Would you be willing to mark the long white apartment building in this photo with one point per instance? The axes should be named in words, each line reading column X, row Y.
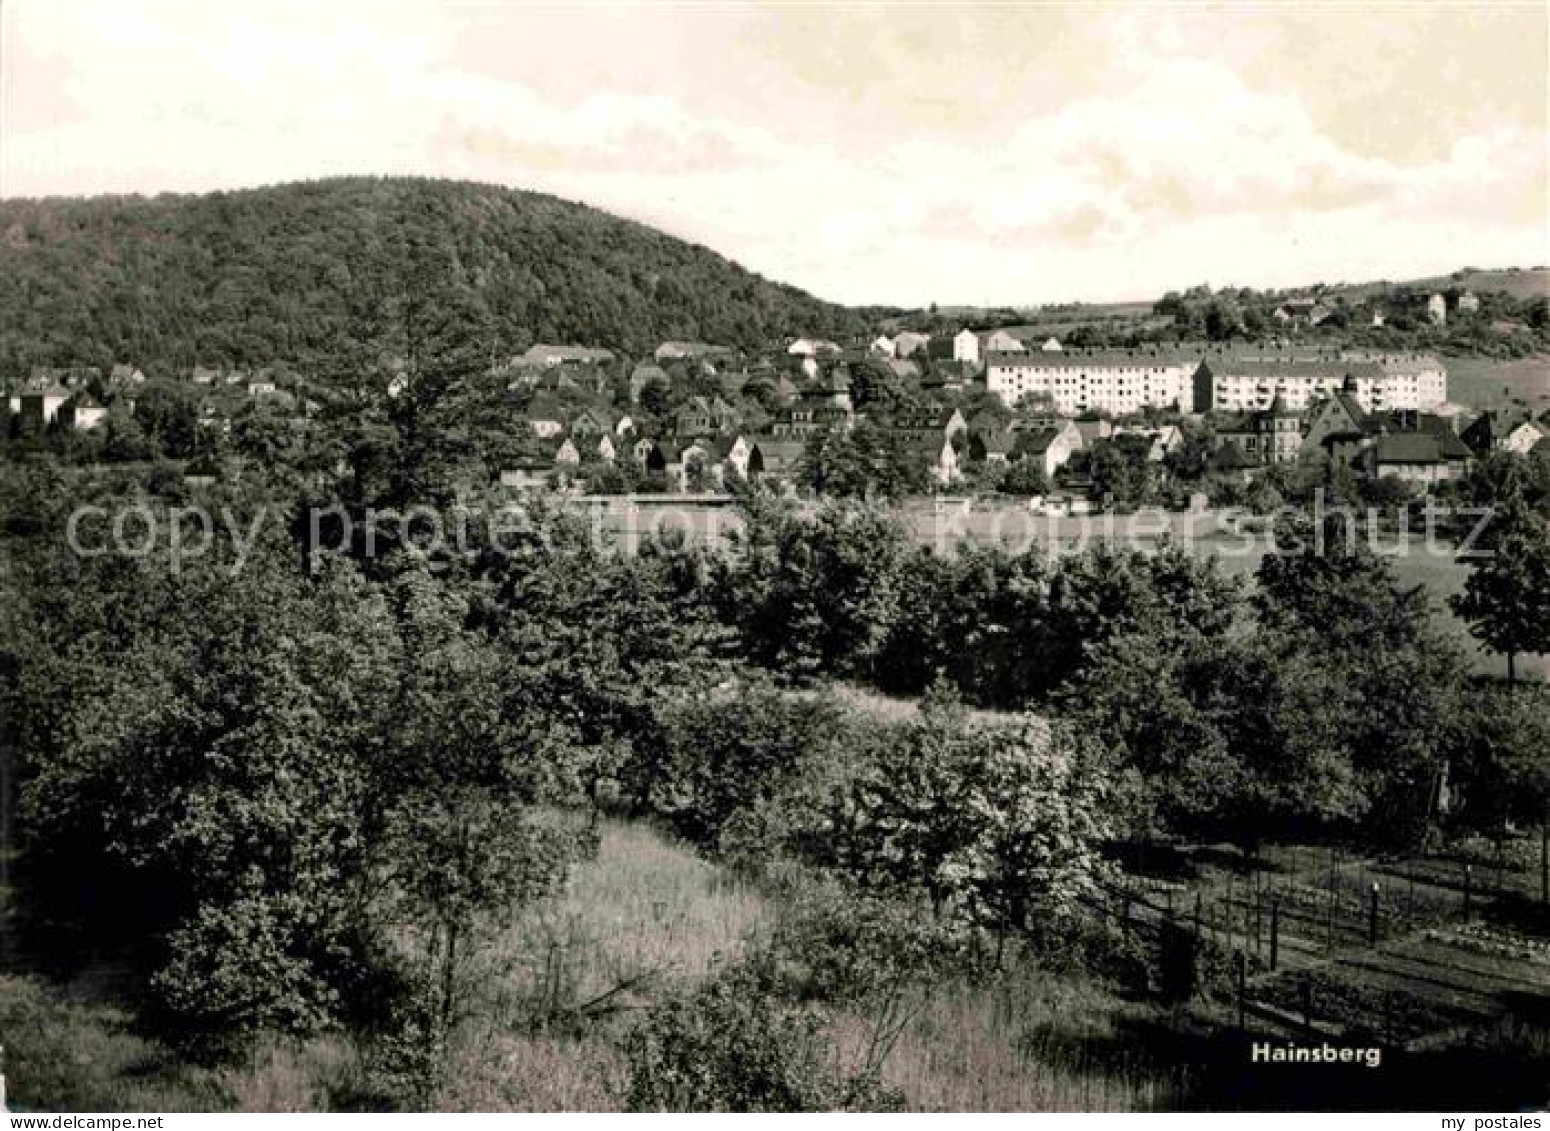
column 1113, row 381
column 1247, row 382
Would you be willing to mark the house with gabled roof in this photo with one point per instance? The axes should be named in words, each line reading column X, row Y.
column 945, row 422
column 545, row 417
column 1416, row 457
column 735, row 452
column 989, row 443
column 1050, row 448
column 775, row 459
column 940, row 457
column 83, row 411
column 545, row 356
column 690, row 351
column 591, row 422
column 1269, row 436
column 123, row 374
column 1336, row 419
column 1504, row 431
column 40, row 406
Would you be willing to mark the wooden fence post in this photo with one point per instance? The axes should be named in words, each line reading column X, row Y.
column 1243, row 983
column 1275, row 930
column 1372, row 916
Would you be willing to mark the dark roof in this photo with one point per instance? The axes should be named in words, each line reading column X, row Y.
column 1230, row 457
column 1095, row 359
column 1037, row 443
column 1411, row 447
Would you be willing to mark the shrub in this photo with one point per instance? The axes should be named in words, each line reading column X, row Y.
column 732, row 1046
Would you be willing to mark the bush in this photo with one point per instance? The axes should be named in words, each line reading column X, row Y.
column 732, row 1046
column 835, row 944
column 714, row 759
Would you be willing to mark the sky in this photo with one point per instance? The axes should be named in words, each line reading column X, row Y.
column 1004, row 154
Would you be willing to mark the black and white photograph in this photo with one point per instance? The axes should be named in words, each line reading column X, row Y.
column 788, row 556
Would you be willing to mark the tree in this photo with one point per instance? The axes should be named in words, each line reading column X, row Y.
column 990, row 823
column 1506, row 599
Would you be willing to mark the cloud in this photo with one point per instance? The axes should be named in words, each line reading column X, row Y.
column 1160, row 165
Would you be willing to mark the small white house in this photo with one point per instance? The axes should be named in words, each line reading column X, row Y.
column 966, row 347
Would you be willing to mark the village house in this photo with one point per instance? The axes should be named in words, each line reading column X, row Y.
column 526, row 474
column 691, row 351
column 65, row 377
column 1499, row 431
column 812, row 348
column 40, row 407
column 990, row 444
column 1468, row 303
column 1416, row 457
column 775, row 460
column 1338, row 419
column 83, row 411
column 735, row 453
column 704, row 416
column 1340, row 429
column 1437, row 310
column 826, row 408
column 544, row 356
column 939, row 456
column 123, row 375
column 907, row 343
column 1160, row 440
column 943, row 422
column 1000, row 341
column 1050, row 448
column 1269, row 436
column 1092, row 429
column 1051, row 345
column 546, row 418
column 966, row 347
column 1301, row 312
column 591, row 422
column 882, row 345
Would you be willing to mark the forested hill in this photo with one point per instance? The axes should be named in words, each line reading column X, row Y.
column 286, row 273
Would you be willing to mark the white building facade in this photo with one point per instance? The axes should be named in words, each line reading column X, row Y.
column 1380, row 382
column 1116, row 382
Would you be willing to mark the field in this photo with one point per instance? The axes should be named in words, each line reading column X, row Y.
column 1484, row 382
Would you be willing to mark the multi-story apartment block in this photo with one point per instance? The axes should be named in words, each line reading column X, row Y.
column 1113, row 381
column 1379, row 382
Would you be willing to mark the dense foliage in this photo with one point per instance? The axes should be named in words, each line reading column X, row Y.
column 289, row 273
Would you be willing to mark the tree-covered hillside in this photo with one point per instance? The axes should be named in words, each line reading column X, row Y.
column 288, row 273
